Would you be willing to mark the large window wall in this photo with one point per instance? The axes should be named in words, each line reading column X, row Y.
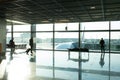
column 88, row 34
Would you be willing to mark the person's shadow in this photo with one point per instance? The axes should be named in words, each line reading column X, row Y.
column 102, row 62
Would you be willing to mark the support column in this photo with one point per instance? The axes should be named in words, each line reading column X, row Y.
column 3, row 35
column 33, row 34
column 11, row 30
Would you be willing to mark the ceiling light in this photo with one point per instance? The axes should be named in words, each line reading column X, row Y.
column 29, row 12
column 92, row 7
column 45, row 21
column 13, row 21
column 64, row 20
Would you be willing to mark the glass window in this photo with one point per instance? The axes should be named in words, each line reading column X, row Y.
column 44, row 40
column 72, row 26
column 44, row 27
column 8, row 38
column 21, row 28
column 95, row 26
column 115, row 41
column 8, row 28
column 65, row 40
column 91, row 40
column 20, row 38
column 66, row 26
column 115, row 25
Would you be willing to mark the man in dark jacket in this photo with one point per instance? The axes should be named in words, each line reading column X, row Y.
column 31, row 45
column 12, row 46
column 102, row 44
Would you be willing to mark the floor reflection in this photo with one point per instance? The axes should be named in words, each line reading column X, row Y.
column 19, row 67
column 80, row 66
column 102, row 62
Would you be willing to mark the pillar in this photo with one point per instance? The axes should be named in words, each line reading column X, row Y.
column 3, row 35
column 33, row 34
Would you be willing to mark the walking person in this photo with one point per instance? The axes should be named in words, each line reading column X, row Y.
column 31, row 46
column 12, row 46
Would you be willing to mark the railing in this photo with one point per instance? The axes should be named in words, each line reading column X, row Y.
column 18, row 46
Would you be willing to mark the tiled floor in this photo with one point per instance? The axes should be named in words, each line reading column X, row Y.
column 57, row 66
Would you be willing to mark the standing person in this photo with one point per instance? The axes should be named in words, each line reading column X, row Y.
column 102, row 45
column 12, row 46
column 31, row 45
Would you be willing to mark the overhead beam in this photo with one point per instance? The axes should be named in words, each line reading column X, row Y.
column 103, row 9
column 5, row 1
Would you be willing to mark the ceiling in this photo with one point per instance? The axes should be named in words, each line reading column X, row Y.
column 49, row 11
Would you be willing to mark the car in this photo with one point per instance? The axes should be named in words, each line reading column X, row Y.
column 66, row 45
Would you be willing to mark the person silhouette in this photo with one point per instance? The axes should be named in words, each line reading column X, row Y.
column 31, row 45
column 12, row 46
column 102, row 45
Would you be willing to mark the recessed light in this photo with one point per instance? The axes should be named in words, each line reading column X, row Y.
column 92, row 7
column 45, row 21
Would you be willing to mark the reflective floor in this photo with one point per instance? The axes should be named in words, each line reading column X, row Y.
column 77, row 66
column 58, row 65
column 19, row 68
